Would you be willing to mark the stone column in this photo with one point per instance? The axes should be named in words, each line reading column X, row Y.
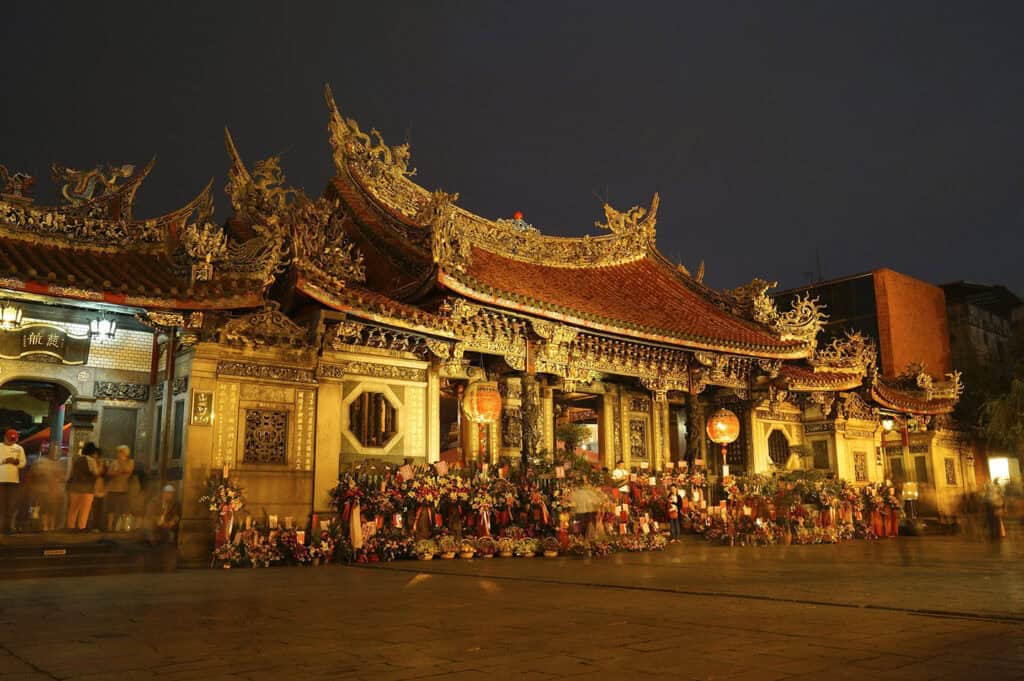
column 547, row 421
column 58, row 406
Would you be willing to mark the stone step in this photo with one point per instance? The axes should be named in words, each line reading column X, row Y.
column 44, row 558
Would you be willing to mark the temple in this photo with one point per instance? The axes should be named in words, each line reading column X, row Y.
column 383, row 321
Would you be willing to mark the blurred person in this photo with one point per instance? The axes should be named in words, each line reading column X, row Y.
column 118, row 473
column 85, row 469
column 47, row 484
column 162, row 517
column 98, row 516
column 12, row 460
column 994, row 511
column 675, row 508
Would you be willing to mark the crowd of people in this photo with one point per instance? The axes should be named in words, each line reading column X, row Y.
column 81, row 493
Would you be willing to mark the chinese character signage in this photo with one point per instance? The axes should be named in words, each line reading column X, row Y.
column 40, row 341
column 202, row 408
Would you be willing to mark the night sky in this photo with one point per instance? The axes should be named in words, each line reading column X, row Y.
column 779, row 134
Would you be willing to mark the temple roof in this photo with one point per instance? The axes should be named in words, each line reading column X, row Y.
column 642, row 298
column 616, row 282
column 91, row 248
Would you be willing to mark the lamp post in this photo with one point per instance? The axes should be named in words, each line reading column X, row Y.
column 723, row 429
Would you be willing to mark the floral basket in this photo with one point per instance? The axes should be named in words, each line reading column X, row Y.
column 466, row 549
column 527, row 547
column 447, row 547
column 486, row 547
column 550, row 546
column 506, row 547
column 425, row 549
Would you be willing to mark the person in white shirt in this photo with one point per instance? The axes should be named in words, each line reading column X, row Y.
column 12, row 460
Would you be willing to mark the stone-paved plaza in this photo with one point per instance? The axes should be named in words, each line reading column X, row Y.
column 914, row 608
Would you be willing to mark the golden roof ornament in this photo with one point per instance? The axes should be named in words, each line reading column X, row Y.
column 15, row 185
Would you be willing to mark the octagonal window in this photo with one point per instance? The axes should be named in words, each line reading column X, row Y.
column 372, row 419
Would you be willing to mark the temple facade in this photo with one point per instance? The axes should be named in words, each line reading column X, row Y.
column 382, row 321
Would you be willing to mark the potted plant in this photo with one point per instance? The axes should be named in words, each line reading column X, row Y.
column 550, row 547
column 425, row 549
column 506, row 547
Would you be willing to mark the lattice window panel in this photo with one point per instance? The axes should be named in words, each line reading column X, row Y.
column 778, row 448
column 266, row 437
column 637, row 439
column 950, row 466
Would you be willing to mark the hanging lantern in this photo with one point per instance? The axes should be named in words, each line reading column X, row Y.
column 723, row 429
column 103, row 328
column 10, row 315
column 481, row 403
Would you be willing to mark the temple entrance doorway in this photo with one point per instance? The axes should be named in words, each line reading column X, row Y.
column 678, row 432
column 450, row 431
column 35, row 408
column 578, row 424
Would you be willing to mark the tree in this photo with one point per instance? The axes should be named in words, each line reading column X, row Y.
column 572, row 434
column 1002, row 418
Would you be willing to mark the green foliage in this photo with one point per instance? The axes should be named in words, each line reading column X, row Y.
column 572, row 434
column 1002, row 418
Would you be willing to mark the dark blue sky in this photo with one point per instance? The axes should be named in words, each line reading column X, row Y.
column 871, row 134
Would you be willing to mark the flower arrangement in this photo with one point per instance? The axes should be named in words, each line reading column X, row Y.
column 422, row 490
column 346, row 492
column 550, row 546
column 527, row 547
column 731, row 488
column 228, row 554
column 486, row 547
column 222, row 494
column 506, row 546
column 425, row 549
column 290, row 548
column 447, row 546
column 561, row 500
column 454, row 492
column 260, row 550
column 322, row 547
column 467, row 549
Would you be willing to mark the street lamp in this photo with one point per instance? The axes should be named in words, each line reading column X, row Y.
column 10, row 315
column 723, row 429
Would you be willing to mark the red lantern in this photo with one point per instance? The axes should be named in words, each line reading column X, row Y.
column 723, row 429
column 482, row 402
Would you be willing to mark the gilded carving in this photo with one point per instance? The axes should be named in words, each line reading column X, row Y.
column 852, row 406
column 267, row 328
column 345, row 369
column 802, row 322
column 265, row 371
column 103, row 223
column 853, row 353
column 111, row 390
column 323, row 246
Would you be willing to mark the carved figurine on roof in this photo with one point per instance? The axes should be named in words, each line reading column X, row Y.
column 802, row 322
column 274, row 226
